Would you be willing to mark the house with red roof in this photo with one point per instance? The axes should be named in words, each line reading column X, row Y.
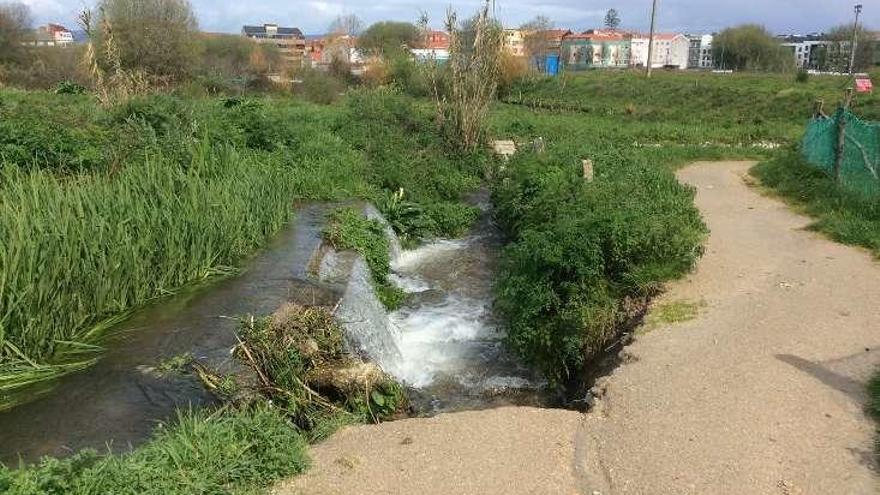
column 596, row 49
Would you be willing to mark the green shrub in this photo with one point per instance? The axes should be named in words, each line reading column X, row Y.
column 318, row 87
column 802, row 76
column 69, row 88
column 578, row 249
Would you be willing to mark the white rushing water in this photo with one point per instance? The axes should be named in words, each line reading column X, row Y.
column 445, row 341
column 447, row 332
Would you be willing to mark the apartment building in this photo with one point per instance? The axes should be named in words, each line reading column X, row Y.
column 51, row 35
column 289, row 40
column 596, row 49
column 700, row 52
column 808, row 51
column 670, row 50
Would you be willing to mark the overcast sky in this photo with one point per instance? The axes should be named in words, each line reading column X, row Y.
column 313, row 16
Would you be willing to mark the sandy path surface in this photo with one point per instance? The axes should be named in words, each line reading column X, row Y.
column 762, row 393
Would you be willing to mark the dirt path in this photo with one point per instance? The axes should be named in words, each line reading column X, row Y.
column 762, row 393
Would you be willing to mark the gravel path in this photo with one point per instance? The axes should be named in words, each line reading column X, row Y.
column 761, row 393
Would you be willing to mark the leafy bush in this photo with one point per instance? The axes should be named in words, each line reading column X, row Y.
column 579, row 249
column 802, row 76
column 318, row 87
column 50, row 131
column 69, row 88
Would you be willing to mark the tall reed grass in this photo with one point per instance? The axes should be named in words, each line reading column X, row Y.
column 79, row 250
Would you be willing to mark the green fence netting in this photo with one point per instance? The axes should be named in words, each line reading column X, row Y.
column 860, row 165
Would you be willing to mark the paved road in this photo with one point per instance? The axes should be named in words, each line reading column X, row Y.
column 762, row 393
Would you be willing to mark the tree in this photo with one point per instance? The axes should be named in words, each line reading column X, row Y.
column 156, row 36
column 389, row 38
column 346, row 25
column 750, row 47
column 838, row 51
column 612, row 19
column 537, row 40
column 15, row 27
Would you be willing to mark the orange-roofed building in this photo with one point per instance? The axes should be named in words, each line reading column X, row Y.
column 437, row 40
column 596, row 49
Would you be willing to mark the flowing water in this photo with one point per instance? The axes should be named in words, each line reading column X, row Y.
column 444, row 344
column 120, row 400
column 448, row 342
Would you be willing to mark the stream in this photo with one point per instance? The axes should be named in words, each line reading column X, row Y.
column 449, row 338
column 444, row 344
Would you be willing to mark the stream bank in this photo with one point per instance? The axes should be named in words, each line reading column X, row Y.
column 444, row 344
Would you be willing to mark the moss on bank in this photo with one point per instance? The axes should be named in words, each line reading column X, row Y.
column 349, row 229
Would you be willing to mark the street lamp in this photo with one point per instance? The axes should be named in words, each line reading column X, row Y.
column 855, row 40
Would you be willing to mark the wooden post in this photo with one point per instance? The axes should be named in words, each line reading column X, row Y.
column 819, row 109
column 650, row 68
column 588, row 170
column 840, row 151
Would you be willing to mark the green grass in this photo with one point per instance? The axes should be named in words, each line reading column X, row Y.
column 845, row 216
column 228, row 452
column 765, row 106
column 670, row 313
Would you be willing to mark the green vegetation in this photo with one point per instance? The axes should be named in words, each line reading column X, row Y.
column 751, row 47
column 723, row 108
column 349, row 229
column 161, row 192
column 846, row 216
column 235, row 451
column 579, row 249
column 582, row 254
column 389, row 38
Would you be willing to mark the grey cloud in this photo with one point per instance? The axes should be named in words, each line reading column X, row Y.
column 313, row 16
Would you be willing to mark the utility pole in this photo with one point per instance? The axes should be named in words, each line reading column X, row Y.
column 855, row 40
column 651, row 39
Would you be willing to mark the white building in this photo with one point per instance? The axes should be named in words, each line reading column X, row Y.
column 700, row 53
column 670, row 50
column 804, row 49
column 52, row 35
column 431, row 54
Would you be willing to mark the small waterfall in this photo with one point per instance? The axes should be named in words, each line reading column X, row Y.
column 368, row 330
column 445, row 341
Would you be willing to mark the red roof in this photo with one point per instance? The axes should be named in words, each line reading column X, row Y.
column 437, row 40
column 556, row 34
column 599, row 36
